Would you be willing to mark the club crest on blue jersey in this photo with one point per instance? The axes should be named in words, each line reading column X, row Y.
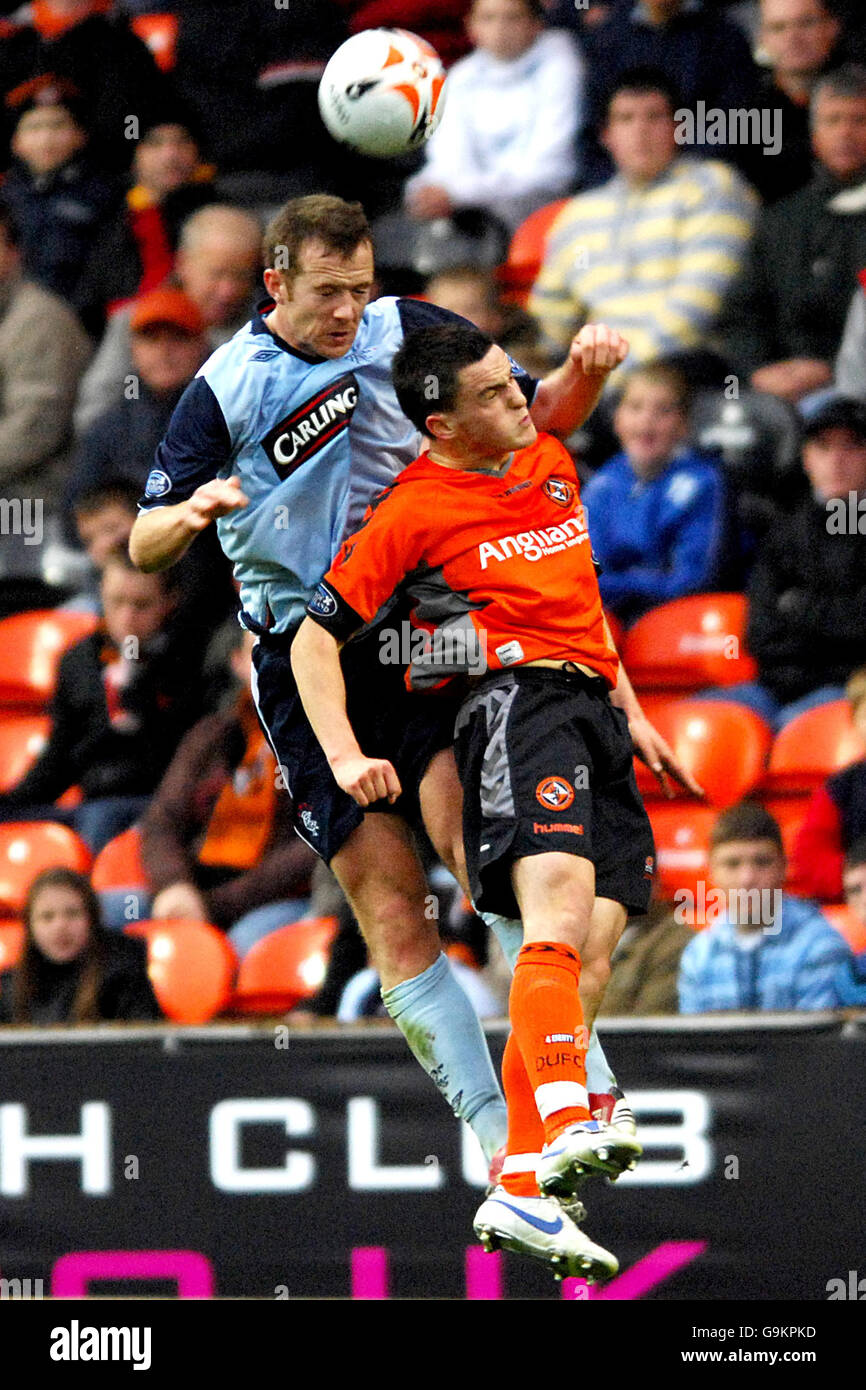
column 312, row 425
column 158, row 483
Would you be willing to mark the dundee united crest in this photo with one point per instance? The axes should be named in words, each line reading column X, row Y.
column 555, row 794
column 559, row 491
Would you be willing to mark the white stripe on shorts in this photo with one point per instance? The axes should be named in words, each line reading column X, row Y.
column 559, row 1095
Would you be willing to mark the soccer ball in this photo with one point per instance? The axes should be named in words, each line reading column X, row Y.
column 382, row 93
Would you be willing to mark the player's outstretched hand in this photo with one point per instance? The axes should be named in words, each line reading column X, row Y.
column 597, row 349
column 213, row 499
column 659, row 757
column 367, row 779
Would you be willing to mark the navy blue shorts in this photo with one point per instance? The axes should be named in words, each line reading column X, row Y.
column 388, row 722
column 546, row 764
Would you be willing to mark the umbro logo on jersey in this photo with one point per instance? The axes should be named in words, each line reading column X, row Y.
column 313, row 425
column 265, row 355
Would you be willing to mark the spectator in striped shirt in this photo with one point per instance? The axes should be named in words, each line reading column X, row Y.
column 655, row 248
column 763, row 949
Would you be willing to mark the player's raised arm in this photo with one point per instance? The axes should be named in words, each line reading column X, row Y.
column 567, row 396
column 160, row 537
column 316, row 665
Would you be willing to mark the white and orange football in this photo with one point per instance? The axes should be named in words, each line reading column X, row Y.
column 382, row 92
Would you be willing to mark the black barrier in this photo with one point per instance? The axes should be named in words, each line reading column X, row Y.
column 277, row 1164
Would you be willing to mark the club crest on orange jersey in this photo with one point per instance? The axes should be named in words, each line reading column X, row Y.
column 560, row 491
column 555, row 793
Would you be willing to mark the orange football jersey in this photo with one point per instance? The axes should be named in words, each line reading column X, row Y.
column 498, row 568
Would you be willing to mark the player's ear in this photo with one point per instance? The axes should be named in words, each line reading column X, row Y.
column 438, row 426
column 275, row 284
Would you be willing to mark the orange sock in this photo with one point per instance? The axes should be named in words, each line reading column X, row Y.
column 525, row 1130
column 547, row 1021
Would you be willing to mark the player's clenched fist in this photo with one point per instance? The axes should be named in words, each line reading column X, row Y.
column 597, row 349
column 366, row 779
column 217, row 498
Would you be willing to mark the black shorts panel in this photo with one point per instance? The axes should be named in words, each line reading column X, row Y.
column 546, row 764
column 388, row 722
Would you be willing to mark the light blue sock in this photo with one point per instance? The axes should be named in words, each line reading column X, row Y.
column 441, row 1027
column 509, row 934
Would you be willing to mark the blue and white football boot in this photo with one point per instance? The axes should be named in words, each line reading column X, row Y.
column 583, row 1151
column 542, row 1228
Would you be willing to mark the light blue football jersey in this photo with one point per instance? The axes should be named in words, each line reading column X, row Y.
column 312, row 441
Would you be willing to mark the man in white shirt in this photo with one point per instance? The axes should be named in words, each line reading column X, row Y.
column 507, row 141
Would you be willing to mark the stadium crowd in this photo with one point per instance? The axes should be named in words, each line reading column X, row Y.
column 689, row 171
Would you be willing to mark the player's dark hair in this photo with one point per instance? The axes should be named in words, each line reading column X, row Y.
column 93, row 499
column 746, row 821
column 644, row 80
column 426, row 368
column 856, row 855
column 339, row 225
column 9, row 225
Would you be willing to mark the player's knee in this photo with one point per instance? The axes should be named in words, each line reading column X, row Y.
column 394, row 922
column 594, row 977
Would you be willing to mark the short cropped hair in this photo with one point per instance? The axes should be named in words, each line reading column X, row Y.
column 746, row 821
column 427, row 366
column 856, row 855
column 849, row 80
column 339, row 225
column 117, row 493
column 170, row 580
column 535, row 8
column 665, row 374
column 644, row 80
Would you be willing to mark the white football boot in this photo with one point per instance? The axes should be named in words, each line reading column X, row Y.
column 542, row 1228
column 583, row 1151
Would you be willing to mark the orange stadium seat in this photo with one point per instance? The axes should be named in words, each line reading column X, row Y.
column 848, row 923
column 11, row 944
column 284, row 967
column 813, row 745
column 722, row 744
column 28, row 847
column 789, row 811
column 32, row 645
column 690, row 643
column 22, row 738
column 191, row 965
column 159, row 31
column 682, row 836
column 118, row 864
column 520, row 269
